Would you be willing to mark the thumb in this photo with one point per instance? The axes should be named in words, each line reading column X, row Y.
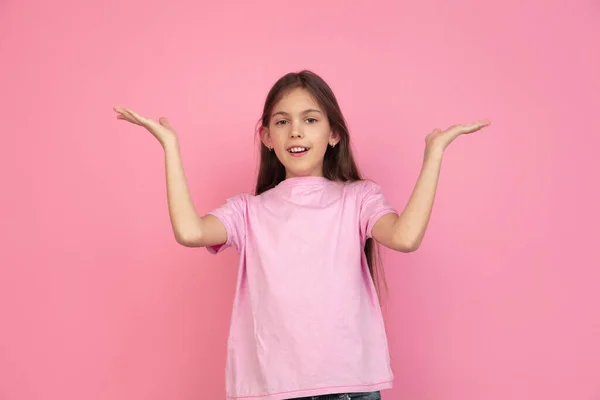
column 164, row 122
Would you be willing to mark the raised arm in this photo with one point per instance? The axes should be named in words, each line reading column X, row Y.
column 189, row 228
column 405, row 232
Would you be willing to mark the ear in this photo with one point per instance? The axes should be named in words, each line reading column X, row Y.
column 265, row 137
column 334, row 138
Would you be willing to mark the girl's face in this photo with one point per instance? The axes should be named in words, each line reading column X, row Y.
column 299, row 133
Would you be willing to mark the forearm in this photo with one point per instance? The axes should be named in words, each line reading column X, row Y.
column 411, row 225
column 185, row 220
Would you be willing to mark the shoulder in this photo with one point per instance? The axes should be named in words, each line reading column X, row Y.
column 235, row 204
column 240, row 198
column 363, row 188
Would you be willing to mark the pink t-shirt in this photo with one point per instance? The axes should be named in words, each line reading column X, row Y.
column 306, row 318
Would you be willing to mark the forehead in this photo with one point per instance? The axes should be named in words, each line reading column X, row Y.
column 296, row 100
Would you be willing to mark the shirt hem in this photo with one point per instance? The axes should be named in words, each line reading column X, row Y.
column 216, row 249
column 317, row 392
column 376, row 217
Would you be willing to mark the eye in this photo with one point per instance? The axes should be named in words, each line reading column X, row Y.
column 280, row 122
column 311, row 120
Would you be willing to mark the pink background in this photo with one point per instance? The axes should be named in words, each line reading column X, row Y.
column 97, row 301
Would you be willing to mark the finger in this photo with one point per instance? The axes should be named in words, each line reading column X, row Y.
column 122, row 113
column 129, row 117
column 481, row 124
column 475, row 126
column 135, row 115
column 139, row 119
column 126, row 117
column 165, row 122
column 118, row 110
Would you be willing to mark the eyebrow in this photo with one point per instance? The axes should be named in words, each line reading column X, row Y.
column 303, row 112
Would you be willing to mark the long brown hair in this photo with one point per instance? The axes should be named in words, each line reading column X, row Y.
column 338, row 164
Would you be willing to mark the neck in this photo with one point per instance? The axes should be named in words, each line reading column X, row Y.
column 315, row 173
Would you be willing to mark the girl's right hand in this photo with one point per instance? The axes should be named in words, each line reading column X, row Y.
column 161, row 130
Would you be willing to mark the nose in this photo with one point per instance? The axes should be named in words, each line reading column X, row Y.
column 296, row 132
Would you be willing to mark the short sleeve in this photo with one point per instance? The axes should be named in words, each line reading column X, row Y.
column 373, row 206
column 233, row 216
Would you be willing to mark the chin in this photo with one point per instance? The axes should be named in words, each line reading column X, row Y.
column 302, row 166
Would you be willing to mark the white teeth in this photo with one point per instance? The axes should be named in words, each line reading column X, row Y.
column 297, row 149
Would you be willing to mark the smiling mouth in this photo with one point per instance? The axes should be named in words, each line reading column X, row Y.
column 298, row 150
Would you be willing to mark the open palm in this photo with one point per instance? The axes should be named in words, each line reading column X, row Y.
column 162, row 130
column 442, row 138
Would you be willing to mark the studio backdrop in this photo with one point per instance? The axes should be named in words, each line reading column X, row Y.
column 98, row 301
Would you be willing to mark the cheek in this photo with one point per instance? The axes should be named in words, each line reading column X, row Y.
column 278, row 133
column 318, row 149
column 321, row 138
column 277, row 140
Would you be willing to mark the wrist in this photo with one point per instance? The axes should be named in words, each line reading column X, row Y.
column 434, row 151
column 170, row 143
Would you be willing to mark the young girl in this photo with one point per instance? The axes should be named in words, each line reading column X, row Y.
column 306, row 320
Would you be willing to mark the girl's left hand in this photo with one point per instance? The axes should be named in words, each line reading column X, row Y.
column 439, row 139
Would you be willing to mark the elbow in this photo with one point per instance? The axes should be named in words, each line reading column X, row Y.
column 406, row 245
column 189, row 239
